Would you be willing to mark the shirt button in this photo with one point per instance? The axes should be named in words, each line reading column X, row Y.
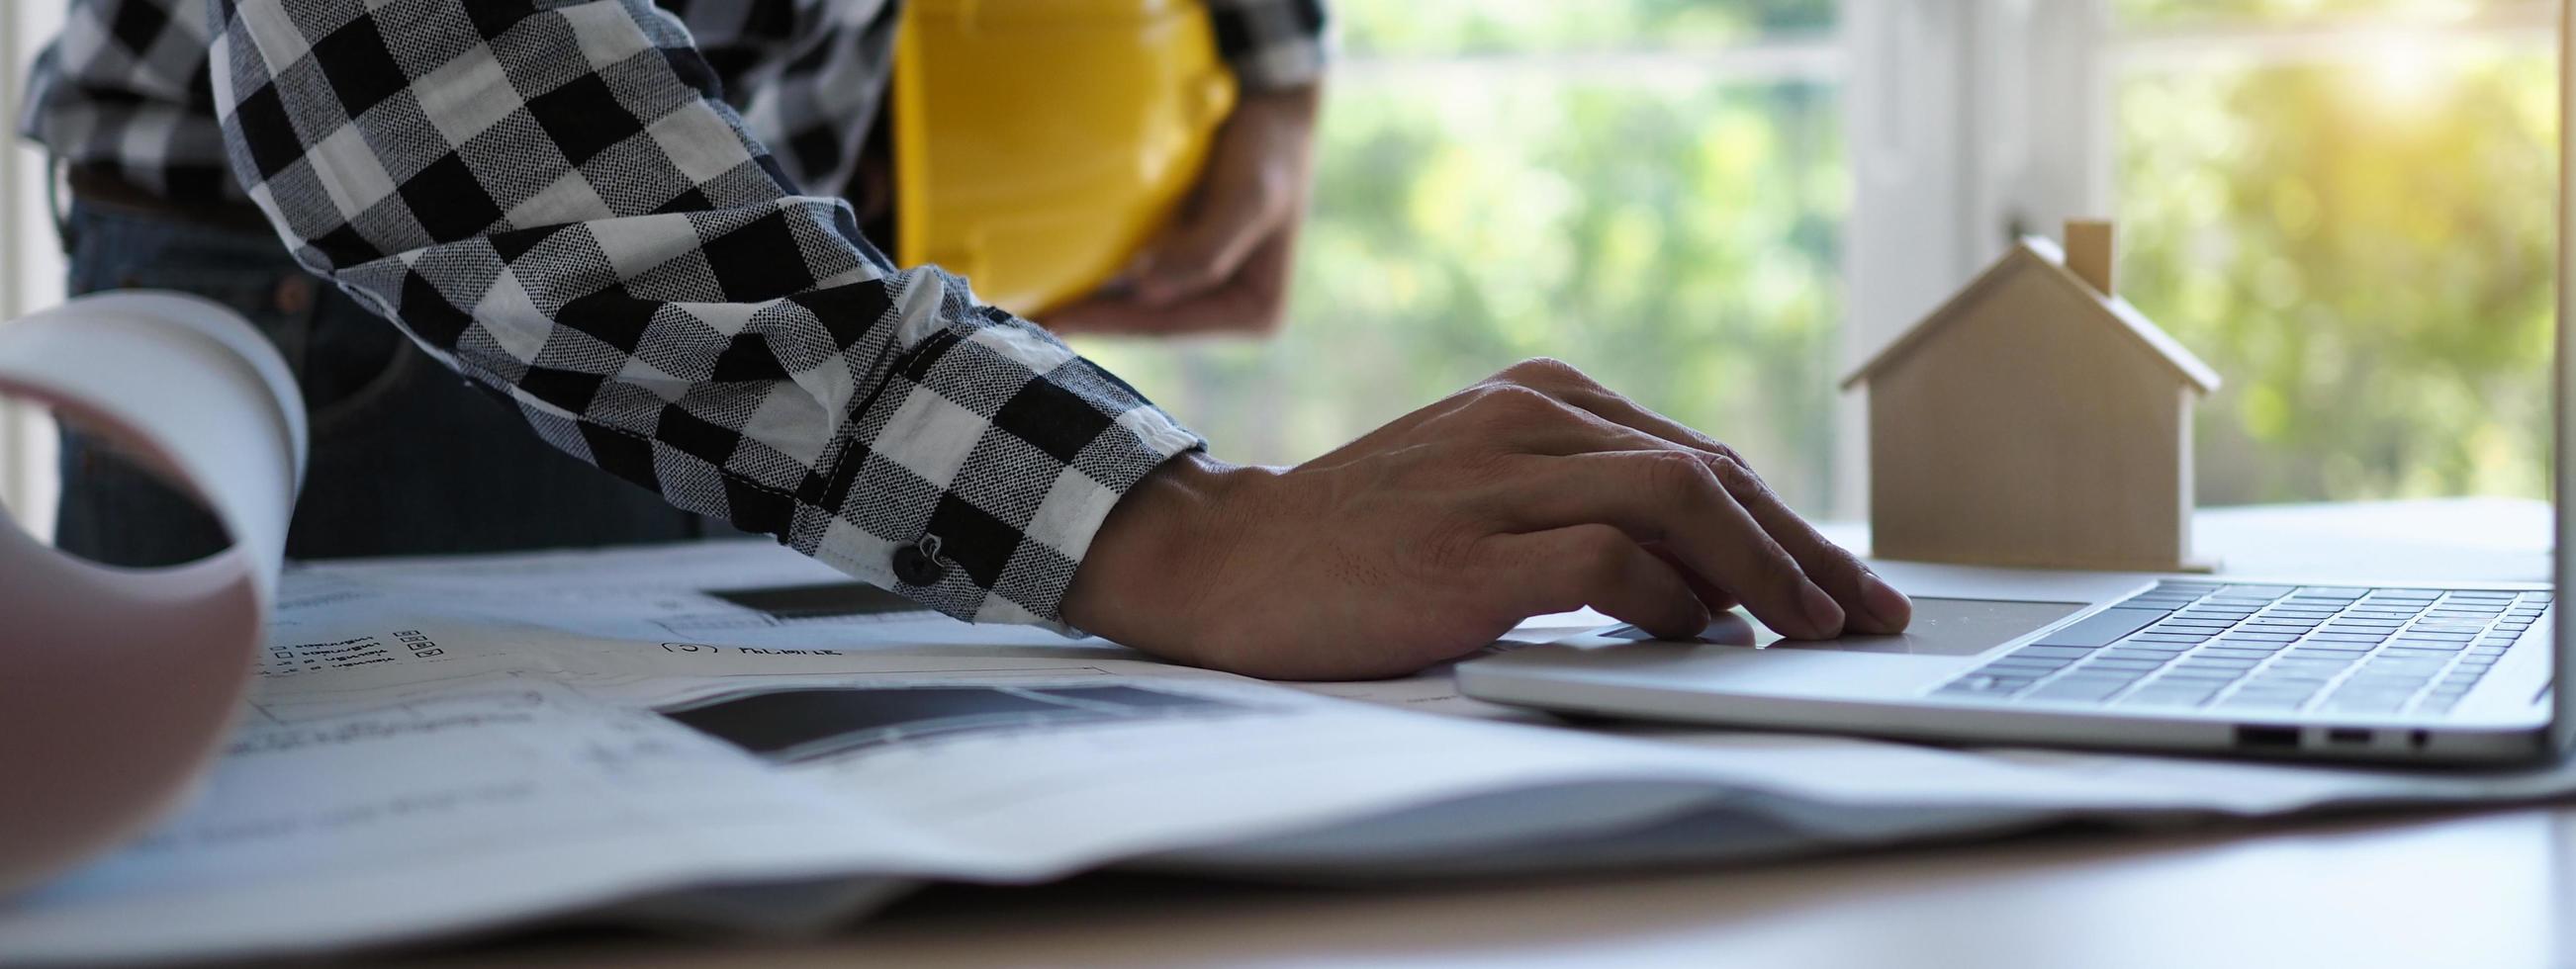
column 917, row 566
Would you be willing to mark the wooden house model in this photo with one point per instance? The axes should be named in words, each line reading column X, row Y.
column 2036, row 419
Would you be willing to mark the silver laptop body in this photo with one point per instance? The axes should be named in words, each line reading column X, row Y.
column 2301, row 667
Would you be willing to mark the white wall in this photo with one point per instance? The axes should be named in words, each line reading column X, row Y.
column 31, row 264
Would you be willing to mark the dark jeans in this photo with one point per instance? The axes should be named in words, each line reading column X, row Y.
column 406, row 457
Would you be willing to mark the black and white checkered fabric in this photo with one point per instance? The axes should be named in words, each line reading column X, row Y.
column 578, row 205
column 551, row 198
column 1271, row 44
column 124, row 86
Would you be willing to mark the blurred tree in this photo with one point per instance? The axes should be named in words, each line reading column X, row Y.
column 2366, row 255
column 2166, row 13
column 1675, row 235
column 2364, row 249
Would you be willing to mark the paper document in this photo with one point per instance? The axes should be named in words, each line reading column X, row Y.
column 433, row 725
column 119, row 681
column 484, row 772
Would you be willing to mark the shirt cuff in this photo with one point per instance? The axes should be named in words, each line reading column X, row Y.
column 1273, row 45
column 982, row 468
column 1280, row 68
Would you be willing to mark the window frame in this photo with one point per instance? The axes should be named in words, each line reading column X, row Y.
column 1973, row 122
column 1969, row 122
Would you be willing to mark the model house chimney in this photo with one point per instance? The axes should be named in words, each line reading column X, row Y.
column 2088, row 253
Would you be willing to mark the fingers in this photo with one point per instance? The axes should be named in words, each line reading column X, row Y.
column 1871, row 605
column 1567, row 383
column 1241, row 203
column 1563, row 569
column 1250, row 192
column 1874, row 606
column 1673, row 499
column 1879, row 607
column 1205, row 249
column 1531, row 421
column 1106, row 316
column 1254, row 302
column 1716, row 599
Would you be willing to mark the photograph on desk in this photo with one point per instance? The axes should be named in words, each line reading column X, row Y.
column 728, row 471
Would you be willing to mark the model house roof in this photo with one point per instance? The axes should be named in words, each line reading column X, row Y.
column 2040, row 256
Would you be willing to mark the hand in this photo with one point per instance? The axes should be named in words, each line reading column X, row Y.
column 1533, row 492
column 1222, row 265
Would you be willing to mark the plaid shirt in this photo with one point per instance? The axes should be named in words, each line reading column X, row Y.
column 126, row 87
column 572, row 203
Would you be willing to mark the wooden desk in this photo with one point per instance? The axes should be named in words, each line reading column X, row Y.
column 2454, row 889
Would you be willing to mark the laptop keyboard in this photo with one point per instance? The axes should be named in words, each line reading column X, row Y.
column 2267, row 648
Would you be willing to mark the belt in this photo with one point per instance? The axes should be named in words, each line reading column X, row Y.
column 100, row 185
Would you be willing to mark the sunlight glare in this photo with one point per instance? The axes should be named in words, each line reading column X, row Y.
column 2406, row 74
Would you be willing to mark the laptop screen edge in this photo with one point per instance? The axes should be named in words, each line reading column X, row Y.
column 2562, row 721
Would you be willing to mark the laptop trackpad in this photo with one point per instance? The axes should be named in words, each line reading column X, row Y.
column 1941, row 627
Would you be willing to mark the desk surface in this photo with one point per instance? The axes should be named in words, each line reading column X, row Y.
column 2456, row 889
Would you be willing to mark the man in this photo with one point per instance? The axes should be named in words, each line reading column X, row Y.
column 124, row 99
column 559, row 201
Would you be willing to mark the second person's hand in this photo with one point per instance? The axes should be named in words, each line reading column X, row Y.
column 1222, row 265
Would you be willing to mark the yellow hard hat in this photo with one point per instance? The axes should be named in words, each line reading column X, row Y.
column 1038, row 144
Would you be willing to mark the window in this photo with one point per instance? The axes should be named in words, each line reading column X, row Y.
column 2347, row 207
column 1718, row 205
column 1653, row 190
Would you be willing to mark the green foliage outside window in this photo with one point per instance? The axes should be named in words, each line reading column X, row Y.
column 2364, row 253
column 2366, row 256
column 1677, row 237
column 2168, row 13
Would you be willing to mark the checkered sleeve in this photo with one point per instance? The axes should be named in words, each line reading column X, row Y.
column 1272, row 44
column 807, row 76
column 550, row 198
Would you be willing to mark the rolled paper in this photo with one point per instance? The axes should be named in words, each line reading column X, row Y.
column 117, row 685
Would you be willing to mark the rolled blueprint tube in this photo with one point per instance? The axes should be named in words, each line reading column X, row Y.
column 117, row 684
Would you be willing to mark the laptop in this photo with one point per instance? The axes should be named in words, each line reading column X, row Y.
column 2293, row 668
